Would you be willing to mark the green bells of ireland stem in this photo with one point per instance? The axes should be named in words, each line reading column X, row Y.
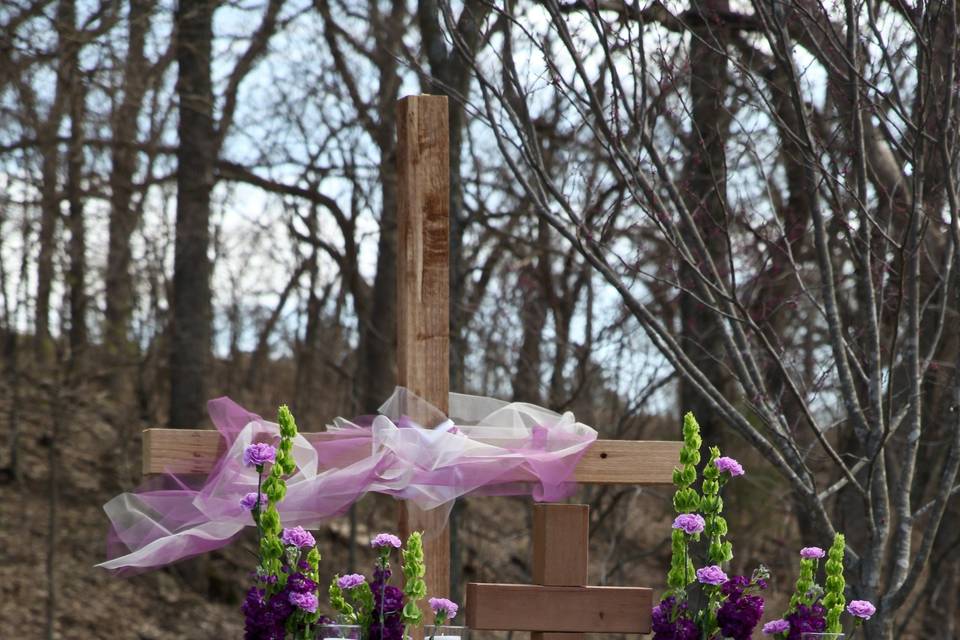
column 340, row 604
column 685, row 500
column 833, row 599
column 711, row 506
column 275, row 488
column 803, row 592
column 414, row 586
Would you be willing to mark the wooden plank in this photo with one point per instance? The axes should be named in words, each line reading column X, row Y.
column 561, row 544
column 523, row 607
column 561, row 551
column 423, row 292
column 648, row 462
column 605, row 462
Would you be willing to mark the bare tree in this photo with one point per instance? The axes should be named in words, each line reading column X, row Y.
column 875, row 292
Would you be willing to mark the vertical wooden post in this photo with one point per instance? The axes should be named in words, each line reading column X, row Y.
column 423, row 288
column 561, row 547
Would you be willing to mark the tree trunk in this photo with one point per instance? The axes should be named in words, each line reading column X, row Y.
column 192, row 311
column 124, row 218
column 78, row 239
column 706, row 197
column 533, row 316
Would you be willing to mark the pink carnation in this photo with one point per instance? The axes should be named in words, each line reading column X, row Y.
column 306, row 601
column 382, row 540
column 729, row 465
column 443, row 608
column 711, row 575
column 691, row 523
column 861, row 609
column 258, row 454
column 350, row 581
column 297, row 537
column 776, row 626
column 249, row 501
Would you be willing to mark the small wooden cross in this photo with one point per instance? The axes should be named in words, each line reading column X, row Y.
column 423, row 344
column 560, row 605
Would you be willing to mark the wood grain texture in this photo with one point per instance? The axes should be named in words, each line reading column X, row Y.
column 521, row 607
column 626, row 462
column 641, row 462
column 561, row 551
column 423, row 292
column 561, row 543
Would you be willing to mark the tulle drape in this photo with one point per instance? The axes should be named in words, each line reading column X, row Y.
column 485, row 447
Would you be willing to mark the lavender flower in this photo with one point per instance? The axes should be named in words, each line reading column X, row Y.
column 776, row 626
column 301, row 584
column 350, row 581
column 258, row 454
column 691, row 523
column 729, row 465
column 444, row 609
column 297, row 537
column 812, row 553
column 668, row 624
column 249, row 501
column 861, row 609
column 388, row 599
column 711, row 575
column 812, row 619
column 383, row 540
column 306, row 601
column 739, row 616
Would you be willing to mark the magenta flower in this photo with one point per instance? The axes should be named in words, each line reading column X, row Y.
column 249, row 501
column 258, row 454
column 861, row 609
column 776, row 626
column 297, row 537
column 729, row 465
column 691, row 523
column 711, row 575
column 383, row 540
column 812, row 553
column 306, row 601
column 350, row 581
column 444, row 609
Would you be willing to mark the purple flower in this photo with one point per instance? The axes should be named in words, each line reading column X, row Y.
column 350, row 581
column 711, row 575
column 297, row 537
column 738, row 617
column 668, row 624
column 807, row 619
column 861, row 609
column 690, row 522
column 775, row 626
column 812, row 553
column 389, row 599
column 265, row 619
column 249, row 501
column 306, row 601
column 383, row 540
column 259, row 454
column 301, row 584
column 729, row 465
column 444, row 609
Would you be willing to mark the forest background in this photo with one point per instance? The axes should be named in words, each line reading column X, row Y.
column 743, row 209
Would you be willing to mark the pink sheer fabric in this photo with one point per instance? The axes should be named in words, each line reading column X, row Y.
column 486, row 447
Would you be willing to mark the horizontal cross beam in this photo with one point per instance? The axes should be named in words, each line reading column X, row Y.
column 195, row 451
column 530, row 607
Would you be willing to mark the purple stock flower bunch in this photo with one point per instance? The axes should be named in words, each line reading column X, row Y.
column 284, row 596
column 704, row 603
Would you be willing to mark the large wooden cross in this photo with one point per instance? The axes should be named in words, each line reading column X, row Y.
column 561, row 602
